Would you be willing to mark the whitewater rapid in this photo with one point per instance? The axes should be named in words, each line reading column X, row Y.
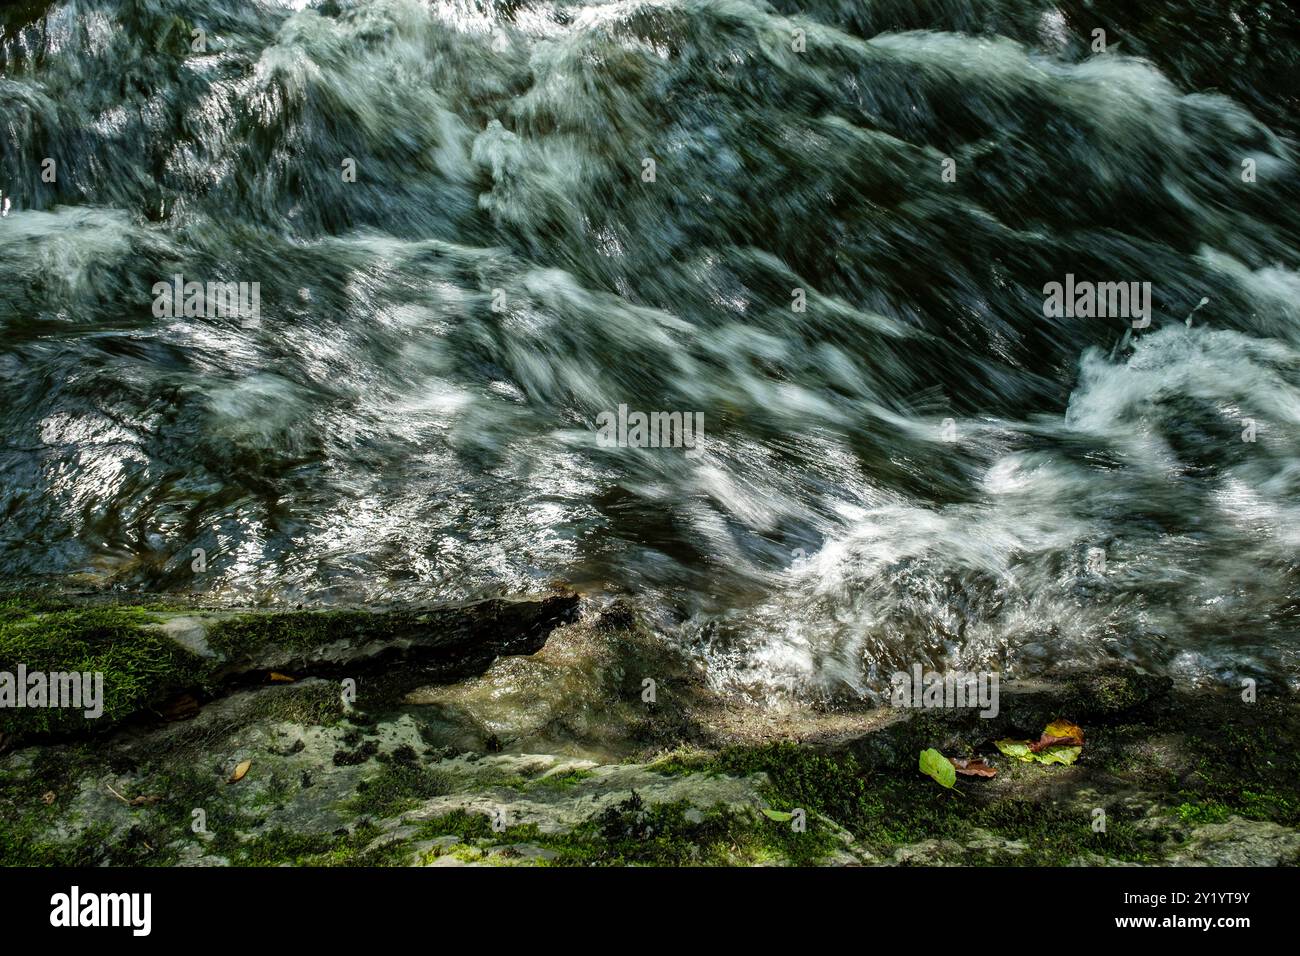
column 836, row 257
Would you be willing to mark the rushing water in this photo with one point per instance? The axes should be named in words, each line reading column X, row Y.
column 918, row 465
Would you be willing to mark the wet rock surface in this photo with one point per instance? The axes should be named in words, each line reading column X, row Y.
column 567, row 756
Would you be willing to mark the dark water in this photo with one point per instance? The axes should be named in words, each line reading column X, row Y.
column 918, row 465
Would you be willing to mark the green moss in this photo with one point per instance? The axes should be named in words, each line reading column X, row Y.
column 281, row 847
column 512, row 781
column 1203, row 758
column 564, row 780
column 401, row 784
column 1250, row 766
column 25, row 816
column 890, row 806
column 238, row 637
column 675, row 834
column 1111, row 692
column 633, row 833
column 1217, row 754
column 285, row 846
column 1197, row 813
column 312, row 703
column 141, row 667
column 27, row 821
column 87, row 850
column 679, row 763
column 154, row 837
column 467, row 826
column 1056, row 835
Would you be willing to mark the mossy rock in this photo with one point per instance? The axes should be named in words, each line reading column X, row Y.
column 140, row 666
column 148, row 654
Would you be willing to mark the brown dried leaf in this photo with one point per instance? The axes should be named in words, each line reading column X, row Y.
column 279, row 678
column 1059, row 733
column 47, row 797
column 242, row 769
column 974, row 767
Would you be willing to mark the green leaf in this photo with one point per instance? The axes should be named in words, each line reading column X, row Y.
column 1021, row 750
column 778, row 815
column 1065, row 755
column 1016, row 748
column 936, row 765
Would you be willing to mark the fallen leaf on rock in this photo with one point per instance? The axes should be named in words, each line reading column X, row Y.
column 1065, row 755
column 936, row 765
column 1061, row 742
column 242, row 769
column 1020, row 749
column 1045, row 741
column 974, row 767
column 47, row 797
column 279, row 678
column 1062, row 729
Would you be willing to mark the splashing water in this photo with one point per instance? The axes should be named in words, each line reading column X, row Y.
column 478, row 226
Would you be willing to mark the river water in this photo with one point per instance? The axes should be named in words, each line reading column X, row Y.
column 823, row 230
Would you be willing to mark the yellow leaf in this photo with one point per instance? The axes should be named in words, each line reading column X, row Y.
column 281, row 678
column 1063, row 728
column 242, row 769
